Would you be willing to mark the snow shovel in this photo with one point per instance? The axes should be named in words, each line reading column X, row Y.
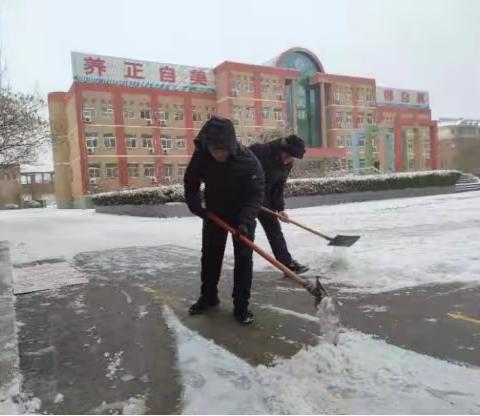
column 339, row 240
column 316, row 290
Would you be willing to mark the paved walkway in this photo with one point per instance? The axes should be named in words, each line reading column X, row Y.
column 104, row 342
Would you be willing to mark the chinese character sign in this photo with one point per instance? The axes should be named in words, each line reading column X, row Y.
column 108, row 70
column 402, row 98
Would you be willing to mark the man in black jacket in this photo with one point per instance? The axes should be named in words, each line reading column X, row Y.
column 276, row 158
column 234, row 190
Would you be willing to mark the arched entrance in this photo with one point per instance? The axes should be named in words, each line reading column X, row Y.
column 303, row 106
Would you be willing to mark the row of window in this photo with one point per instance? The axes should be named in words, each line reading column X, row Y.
column 268, row 87
column 92, row 141
column 131, row 114
column 346, row 141
column 249, row 113
column 131, row 103
column 134, row 170
column 344, row 119
column 344, row 95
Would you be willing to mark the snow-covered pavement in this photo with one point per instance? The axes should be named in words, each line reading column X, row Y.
column 405, row 243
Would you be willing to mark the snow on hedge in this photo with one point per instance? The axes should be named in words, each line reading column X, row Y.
column 295, row 187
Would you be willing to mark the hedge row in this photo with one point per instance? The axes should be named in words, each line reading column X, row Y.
column 295, row 187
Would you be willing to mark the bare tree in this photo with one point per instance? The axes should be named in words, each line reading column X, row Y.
column 22, row 128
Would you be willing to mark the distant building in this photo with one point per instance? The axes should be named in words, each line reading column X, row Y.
column 459, row 143
column 10, row 187
column 128, row 123
column 38, row 186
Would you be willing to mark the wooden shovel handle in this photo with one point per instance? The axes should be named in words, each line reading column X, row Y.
column 297, row 224
column 254, row 247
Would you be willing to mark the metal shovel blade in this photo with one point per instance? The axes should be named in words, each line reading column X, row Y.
column 343, row 240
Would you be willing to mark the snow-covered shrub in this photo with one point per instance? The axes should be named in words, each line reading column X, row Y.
column 141, row 196
column 323, row 186
column 295, row 187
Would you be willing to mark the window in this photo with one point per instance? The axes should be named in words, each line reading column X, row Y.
column 250, row 113
column 149, row 170
column 178, row 115
column 236, row 87
column 168, row 170
column 147, row 141
column 131, row 141
column 145, row 114
column 107, row 112
column 197, row 116
column 91, row 140
column 163, row 115
column 181, row 143
column 266, row 113
column 94, row 171
column 277, row 114
column 109, row 141
column 277, row 91
column 111, row 170
column 348, row 118
column 237, row 114
column 132, row 170
column 360, row 119
column 339, row 118
column 88, row 114
column 338, row 96
column 23, row 179
column 340, row 141
column 374, row 145
column 166, row 143
column 369, row 119
column 249, row 87
column 250, row 140
column 128, row 113
column 265, row 88
column 181, row 170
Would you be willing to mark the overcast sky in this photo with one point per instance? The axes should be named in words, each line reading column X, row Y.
column 418, row 44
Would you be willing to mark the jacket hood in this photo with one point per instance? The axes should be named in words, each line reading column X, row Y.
column 218, row 132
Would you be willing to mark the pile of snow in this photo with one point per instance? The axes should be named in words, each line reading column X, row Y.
column 361, row 375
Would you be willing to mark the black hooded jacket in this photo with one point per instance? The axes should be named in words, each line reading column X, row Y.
column 276, row 172
column 234, row 189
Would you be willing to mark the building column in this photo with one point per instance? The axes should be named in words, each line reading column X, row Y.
column 294, row 106
column 188, row 123
column 398, row 146
column 120, row 136
column 323, row 115
column 81, row 138
column 434, row 150
column 257, row 96
column 157, row 147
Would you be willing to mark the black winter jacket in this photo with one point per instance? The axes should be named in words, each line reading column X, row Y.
column 276, row 173
column 234, row 190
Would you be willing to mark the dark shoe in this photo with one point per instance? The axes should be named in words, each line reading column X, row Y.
column 201, row 306
column 244, row 316
column 298, row 268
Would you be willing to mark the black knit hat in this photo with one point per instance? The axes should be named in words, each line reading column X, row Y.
column 294, row 146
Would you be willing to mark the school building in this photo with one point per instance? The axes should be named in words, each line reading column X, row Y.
column 126, row 123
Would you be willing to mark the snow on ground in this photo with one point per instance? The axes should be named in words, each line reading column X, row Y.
column 404, row 242
column 361, row 375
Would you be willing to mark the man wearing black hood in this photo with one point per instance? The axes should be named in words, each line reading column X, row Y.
column 234, row 190
column 276, row 158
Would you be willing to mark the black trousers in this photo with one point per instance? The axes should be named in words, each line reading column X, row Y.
column 214, row 239
column 273, row 231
